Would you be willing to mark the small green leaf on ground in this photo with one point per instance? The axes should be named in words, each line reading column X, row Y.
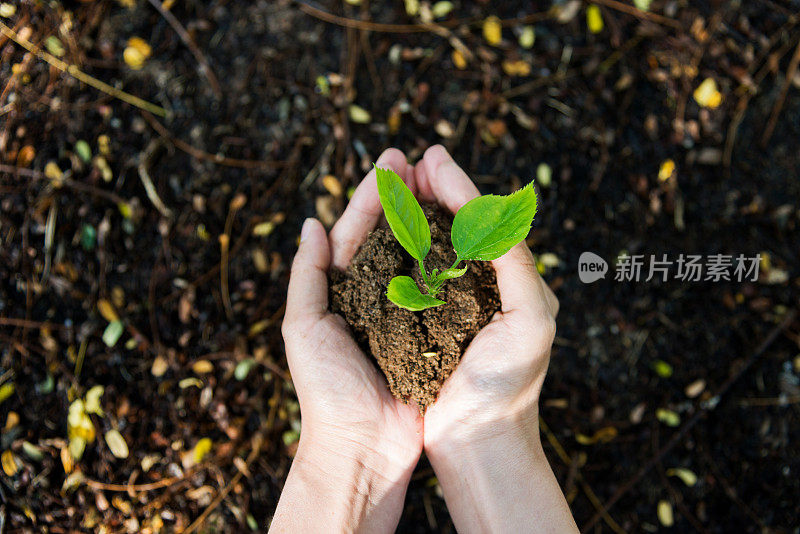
column 644, row 5
column 527, row 37
column 404, row 292
column 544, row 175
column 32, row 451
column 487, row 227
column 243, row 368
column 88, row 237
column 83, row 150
column 54, row 46
column 112, row 333
column 441, row 9
column 202, row 448
column 7, row 10
column 6, row 390
column 668, row 417
column 359, row 115
column 662, row 368
column 403, row 213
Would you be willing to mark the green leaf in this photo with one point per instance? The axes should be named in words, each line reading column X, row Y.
column 404, row 292
column 112, row 333
column 449, row 274
column 487, row 227
column 404, row 214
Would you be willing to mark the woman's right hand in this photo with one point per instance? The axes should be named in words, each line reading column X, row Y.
column 482, row 434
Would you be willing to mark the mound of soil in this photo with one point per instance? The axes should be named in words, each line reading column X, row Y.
column 417, row 351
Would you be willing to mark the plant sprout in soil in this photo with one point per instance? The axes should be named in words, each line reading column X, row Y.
column 483, row 229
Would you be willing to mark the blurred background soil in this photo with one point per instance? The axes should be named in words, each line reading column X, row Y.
column 148, row 252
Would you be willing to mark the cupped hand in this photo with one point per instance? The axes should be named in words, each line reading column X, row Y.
column 345, row 404
column 482, row 434
column 498, row 380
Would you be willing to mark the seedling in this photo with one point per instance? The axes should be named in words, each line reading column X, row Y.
column 484, row 229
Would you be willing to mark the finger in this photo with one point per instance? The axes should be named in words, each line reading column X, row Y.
column 552, row 300
column 443, row 180
column 307, row 297
column 364, row 209
column 523, row 293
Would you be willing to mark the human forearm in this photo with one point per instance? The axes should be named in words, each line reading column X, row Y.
column 341, row 488
column 500, row 480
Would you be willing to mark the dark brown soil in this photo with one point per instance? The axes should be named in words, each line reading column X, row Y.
column 417, row 351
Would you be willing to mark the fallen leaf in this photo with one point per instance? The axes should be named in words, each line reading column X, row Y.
column 492, row 30
column 687, row 476
column 10, row 463
column 666, row 170
column 201, row 448
column 459, row 60
column 527, row 37
column 695, row 388
column 664, row 511
column 668, row 417
column 594, row 19
column 116, row 444
column 359, row 115
column 707, row 94
column 106, row 309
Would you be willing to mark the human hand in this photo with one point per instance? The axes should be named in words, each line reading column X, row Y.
column 358, row 445
column 482, row 435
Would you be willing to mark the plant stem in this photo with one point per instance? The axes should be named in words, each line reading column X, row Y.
column 425, row 276
column 458, row 260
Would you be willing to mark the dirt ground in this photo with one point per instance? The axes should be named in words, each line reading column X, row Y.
column 149, row 254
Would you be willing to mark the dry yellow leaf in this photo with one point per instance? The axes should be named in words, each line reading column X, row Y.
column 136, row 53
column 25, row 155
column 159, row 367
column 604, row 435
column 202, row 367
column 332, row 185
column 459, row 60
column 666, row 170
column 106, row 309
column 202, row 448
column 52, row 171
column 516, row 68
column 11, row 421
column 67, row 461
column 707, row 94
column 594, row 19
column 10, row 463
column 492, row 30
column 394, row 120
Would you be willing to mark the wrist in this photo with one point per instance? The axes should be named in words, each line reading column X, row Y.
column 518, row 430
column 497, row 478
column 341, row 485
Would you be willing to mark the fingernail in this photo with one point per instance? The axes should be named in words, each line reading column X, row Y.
column 306, row 229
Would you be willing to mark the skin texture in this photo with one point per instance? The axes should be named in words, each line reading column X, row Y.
column 359, row 445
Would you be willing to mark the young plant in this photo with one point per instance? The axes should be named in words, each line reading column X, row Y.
column 484, row 229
